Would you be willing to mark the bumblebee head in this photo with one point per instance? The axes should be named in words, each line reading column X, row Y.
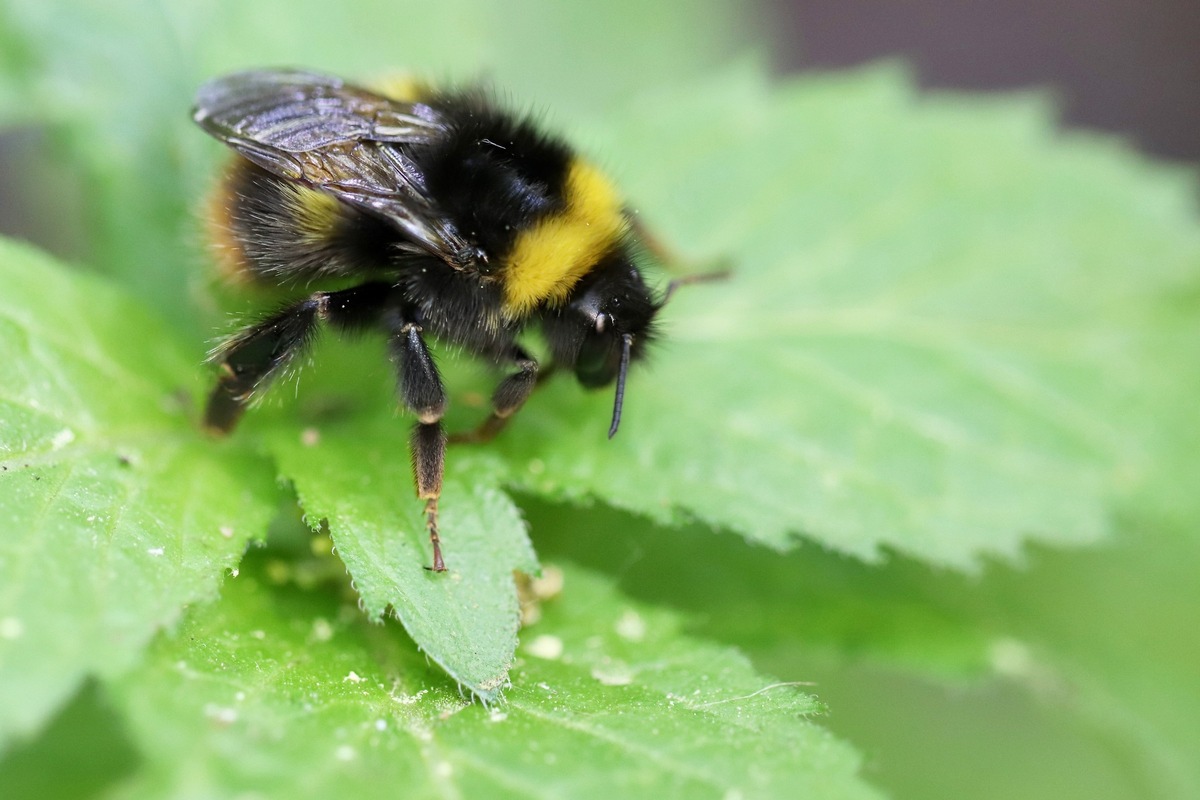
column 605, row 324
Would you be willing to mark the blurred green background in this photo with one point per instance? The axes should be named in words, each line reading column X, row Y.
column 1078, row 645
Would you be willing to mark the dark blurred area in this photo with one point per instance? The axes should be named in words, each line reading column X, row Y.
column 39, row 199
column 1127, row 66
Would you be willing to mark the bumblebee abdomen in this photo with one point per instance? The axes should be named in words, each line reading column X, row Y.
column 270, row 229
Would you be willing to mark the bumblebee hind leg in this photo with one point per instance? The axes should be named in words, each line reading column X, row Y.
column 252, row 358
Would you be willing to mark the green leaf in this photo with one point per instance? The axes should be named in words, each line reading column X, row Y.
column 356, row 476
column 290, row 692
column 117, row 513
column 939, row 322
column 1074, row 660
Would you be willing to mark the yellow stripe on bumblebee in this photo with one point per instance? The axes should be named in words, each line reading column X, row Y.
column 549, row 258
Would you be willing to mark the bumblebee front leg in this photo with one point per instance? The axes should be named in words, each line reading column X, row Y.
column 422, row 391
column 508, row 398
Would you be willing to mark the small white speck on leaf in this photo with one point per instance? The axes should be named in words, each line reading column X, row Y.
column 346, row 753
column 546, row 646
column 62, row 438
column 221, row 714
column 155, row 551
column 550, row 584
column 310, row 437
column 1016, row 660
column 631, row 626
column 613, row 674
column 1011, row 657
column 11, row 628
column 322, row 631
column 409, row 699
column 226, row 531
column 353, row 677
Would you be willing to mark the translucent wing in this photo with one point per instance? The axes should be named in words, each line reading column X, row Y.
column 341, row 139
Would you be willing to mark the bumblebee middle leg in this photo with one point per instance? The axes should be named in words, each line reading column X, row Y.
column 251, row 359
column 508, row 398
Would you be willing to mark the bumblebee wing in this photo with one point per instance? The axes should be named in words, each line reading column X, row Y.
column 341, row 139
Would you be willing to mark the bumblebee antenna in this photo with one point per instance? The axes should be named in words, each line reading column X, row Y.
column 626, row 345
column 703, row 277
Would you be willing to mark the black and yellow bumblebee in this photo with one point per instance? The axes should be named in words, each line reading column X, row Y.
column 454, row 218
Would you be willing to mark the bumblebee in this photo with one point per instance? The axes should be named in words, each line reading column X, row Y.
column 452, row 218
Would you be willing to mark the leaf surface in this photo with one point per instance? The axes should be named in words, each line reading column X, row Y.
column 284, row 691
column 117, row 512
